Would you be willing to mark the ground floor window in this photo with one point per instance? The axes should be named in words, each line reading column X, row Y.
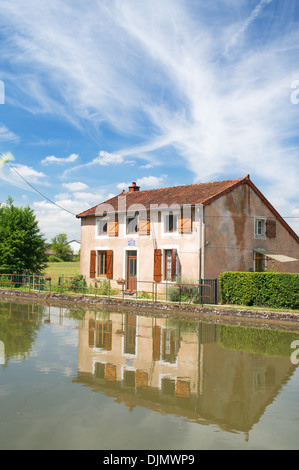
column 170, row 265
column 102, row 263
column 259, row 262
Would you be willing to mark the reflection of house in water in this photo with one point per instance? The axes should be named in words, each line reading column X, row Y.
column 176, row 367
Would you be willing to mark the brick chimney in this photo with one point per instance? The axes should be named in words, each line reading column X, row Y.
column 133, row 188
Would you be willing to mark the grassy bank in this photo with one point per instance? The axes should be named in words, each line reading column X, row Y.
column 55, row 270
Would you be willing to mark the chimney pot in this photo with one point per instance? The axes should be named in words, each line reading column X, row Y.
column 133, row 188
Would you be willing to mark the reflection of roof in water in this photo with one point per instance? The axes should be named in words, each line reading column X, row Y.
column 193, row 408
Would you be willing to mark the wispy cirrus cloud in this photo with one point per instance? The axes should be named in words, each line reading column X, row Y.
column 6, row 135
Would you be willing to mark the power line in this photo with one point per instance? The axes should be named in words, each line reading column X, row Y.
column 31, row 186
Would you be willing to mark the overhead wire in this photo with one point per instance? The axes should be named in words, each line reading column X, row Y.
column 35, row 189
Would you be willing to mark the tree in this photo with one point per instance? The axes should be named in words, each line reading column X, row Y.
column 22, row 246
column 61, row 247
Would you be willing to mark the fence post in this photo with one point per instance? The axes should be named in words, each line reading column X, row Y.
column 200, row 291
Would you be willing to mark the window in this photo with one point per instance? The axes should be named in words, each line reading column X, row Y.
column 107, row 226
column 259, row 262
column 170, row 265
column 132, row 225
column 171, row 223
column 103, row 227
column 170, row 345
column 104, row 335
column 259, row 228
column 102, row 263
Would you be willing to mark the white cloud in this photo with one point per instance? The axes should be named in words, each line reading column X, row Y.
column 52, row 159
column 53, row 219
column 106, row 158
column 245, row 24
column 147, row 182
column 18, row 175
column 75, row 186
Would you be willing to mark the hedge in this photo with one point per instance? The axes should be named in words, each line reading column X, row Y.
column 280, row 290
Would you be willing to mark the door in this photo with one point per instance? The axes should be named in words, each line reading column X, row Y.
column 131, row 270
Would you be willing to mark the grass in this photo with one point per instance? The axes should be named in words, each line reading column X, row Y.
column 68, row 269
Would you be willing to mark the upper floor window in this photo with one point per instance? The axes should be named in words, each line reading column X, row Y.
column 132, row 225
column 103, row 227
column 171, row 223
column 260, row 228
column 108, row 226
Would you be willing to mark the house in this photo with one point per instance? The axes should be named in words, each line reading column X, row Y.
column 189, row 232
column 75, row 246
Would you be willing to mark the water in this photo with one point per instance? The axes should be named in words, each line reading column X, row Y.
column 71, row 379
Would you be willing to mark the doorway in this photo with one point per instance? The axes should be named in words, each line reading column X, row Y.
column 131, row 270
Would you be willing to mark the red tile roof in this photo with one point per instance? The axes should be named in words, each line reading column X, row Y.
column 203, row 193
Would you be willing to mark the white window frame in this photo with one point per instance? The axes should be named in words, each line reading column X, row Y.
column 106, row 219
column 163, row 270
column 164, row 215
column 263, row 227
column 135, row 233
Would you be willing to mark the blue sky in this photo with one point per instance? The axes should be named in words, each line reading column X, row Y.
column 102, row 93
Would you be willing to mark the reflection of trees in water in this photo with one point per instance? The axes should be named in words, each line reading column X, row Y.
column 19, row 324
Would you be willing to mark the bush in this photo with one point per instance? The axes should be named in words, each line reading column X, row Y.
column 183, row 293
column 280, row 290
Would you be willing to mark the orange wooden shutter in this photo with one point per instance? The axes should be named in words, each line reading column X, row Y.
column 270, row 228
column 182, row 389
column 144, row 226
column 185, row 222
column 141, row 379
column 92, row 271
column 91, row 326
column 109, row 270
column 157, row 265
column 113, row 227
column 110, row 372
column 108, row 336
column 156, row 343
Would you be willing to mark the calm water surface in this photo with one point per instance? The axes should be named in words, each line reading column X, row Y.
column 73, row 379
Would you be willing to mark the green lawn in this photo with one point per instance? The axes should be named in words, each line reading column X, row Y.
column 66, row 269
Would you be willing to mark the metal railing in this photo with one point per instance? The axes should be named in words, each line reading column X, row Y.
column 205, row 292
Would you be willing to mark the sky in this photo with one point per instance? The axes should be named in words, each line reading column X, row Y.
column 95, row 95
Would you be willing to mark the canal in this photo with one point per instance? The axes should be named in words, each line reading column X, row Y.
column 74, row 379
